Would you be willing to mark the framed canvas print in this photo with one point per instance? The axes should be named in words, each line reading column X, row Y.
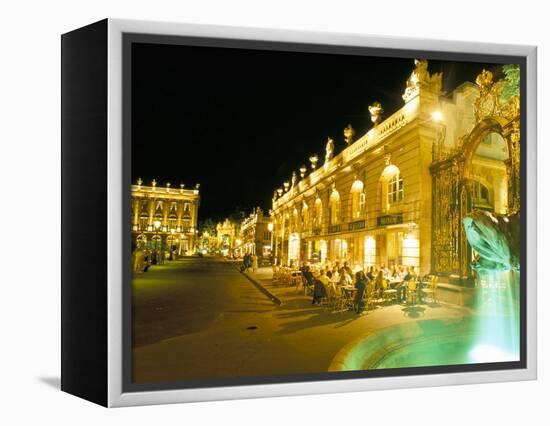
column 281, row 213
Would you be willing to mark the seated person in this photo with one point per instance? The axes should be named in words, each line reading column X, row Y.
column 335, row 276
column 378, row 285
column 370, row 273
column 319, row 288
column 345, row 278
column 348, row 269
column 308, row 276
column 402, row 286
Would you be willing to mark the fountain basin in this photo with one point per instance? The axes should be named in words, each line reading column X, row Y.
column 424, row 343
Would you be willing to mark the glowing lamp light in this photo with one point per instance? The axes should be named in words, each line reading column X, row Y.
column 270, row 227
column 437, row 116
column 156, row 224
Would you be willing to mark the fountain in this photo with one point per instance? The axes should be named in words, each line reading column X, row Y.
column 496, row 240
column 490, row 334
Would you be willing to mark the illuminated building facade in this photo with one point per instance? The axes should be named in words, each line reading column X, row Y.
column 255, row 235
column 165, row 217
column 397, row 194
column 226, row 233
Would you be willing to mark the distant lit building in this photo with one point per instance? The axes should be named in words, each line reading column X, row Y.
column 226, row 233
column 255, row 236
column 165, row 217
column 397, row 194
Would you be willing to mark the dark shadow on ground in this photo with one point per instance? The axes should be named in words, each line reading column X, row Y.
column 318, row 318
column 414, row 311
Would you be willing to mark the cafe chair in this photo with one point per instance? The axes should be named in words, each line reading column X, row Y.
column 388, row 293
column 346, row 300
column 431, row 290
column 412, row 292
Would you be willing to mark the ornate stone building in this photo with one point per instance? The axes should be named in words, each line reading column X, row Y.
column 255, row 235
column 226, row 233
column 397, row 194
column 165, row 217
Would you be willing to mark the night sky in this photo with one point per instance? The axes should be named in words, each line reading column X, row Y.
column 240, row 121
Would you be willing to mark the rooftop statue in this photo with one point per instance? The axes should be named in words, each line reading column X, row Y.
column 496, row 239
column 421, row 78
column 329, row 150
column 349, row 133
column 376, row 111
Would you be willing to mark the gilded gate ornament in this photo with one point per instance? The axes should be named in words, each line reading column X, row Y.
column 498, row 102
column 500, row 98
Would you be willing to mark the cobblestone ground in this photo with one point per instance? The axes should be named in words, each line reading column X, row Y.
column 199, row 318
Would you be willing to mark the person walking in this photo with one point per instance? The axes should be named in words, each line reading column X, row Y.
column 254, row 263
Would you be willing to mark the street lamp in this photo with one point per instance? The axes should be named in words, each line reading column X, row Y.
column 156, row 225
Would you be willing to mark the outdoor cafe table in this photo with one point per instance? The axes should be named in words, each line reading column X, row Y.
column 349, row 289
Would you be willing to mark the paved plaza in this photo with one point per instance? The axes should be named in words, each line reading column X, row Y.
column 198, row 318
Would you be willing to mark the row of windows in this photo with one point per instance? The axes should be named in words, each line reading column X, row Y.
column 392, row 193
column 172, row 223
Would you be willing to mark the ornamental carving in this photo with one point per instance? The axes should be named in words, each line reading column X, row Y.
column 499, row 98
column 421, row 79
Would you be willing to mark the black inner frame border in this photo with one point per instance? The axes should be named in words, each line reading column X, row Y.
column 130, row 38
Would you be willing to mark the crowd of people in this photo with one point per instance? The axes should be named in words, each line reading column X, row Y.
column 340, row 276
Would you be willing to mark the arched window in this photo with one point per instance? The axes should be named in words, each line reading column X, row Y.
column 305, row 216
column 357, row 200
column 141, row 241
column 143, row 222
column 318, row 219
column 392, row 187
column 294, row 220
column 334, row 207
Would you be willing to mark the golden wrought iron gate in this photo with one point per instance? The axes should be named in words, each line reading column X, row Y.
column 496, row 110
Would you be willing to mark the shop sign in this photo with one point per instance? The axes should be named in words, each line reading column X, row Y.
column 334, row 228
column 391, row 219
column 359, row 224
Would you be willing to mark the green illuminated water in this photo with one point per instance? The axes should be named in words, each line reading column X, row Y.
column 489, row 334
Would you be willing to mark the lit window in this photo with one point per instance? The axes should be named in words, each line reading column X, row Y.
column 305, row 216
column 318, row 212
column 294, row 220
column 334, row 207
column 357, row 200
column 395, row 189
